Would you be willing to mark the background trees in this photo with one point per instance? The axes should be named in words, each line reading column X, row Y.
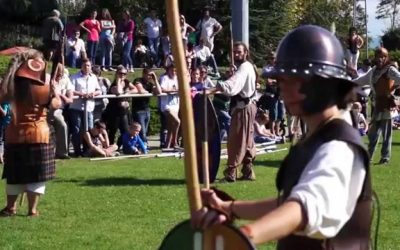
column 270, row 20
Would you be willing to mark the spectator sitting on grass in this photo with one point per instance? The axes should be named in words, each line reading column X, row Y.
column 132, row 144
column 97, row 142
column 261, row 133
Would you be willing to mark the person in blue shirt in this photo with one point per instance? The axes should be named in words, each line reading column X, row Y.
column 5, row 118
column 131, row 141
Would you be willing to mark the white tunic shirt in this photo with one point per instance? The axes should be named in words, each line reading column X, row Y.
column 329, row 188
column 243, row 83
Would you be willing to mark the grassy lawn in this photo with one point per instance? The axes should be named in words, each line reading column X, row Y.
column 132, row 204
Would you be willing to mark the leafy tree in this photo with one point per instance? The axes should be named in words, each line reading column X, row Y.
column 388, row 9
column 391, row 39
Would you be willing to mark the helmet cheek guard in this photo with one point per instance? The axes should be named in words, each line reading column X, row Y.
column 314, row 53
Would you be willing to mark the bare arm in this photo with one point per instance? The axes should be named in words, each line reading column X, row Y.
column 286, row 219
column 82, row 25
column 92, row 147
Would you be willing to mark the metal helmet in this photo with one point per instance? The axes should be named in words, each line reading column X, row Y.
column 311, row 50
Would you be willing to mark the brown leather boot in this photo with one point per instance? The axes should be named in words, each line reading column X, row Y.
column 248, row 173
column 230, row 174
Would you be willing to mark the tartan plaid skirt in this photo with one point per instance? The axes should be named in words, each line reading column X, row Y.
column 29, row 163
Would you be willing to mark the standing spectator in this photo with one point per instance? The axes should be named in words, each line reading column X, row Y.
column 221, row 104
column 29, row 150
column 5, row 119
column 75, row 50
column 125, row 34
column 100, row 104
column 203, row 56
column 141, row 105
column 383, row 78
column 185, row 30
column 132, row 144
column 208, row 27
column 169, row 105
column 165, row 46
column 64, row 89
column 242, row 87
column 107, row 41
column 354, row 43
column 92, row 27
column 117, row 114
column 52, row 29
column 153, row 28
column 86, row 86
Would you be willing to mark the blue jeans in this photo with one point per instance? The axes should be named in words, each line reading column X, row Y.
column 154, row 43
column 91, row 50
column 224, row 120
column 106, row 53
column 378, row 127
column 73, row 61
column 77, row 128
column 126, row 55
column 143, row 118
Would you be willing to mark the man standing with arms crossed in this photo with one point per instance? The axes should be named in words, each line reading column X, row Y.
column 242, row 87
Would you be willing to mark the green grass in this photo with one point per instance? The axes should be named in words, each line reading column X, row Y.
column 132, row 204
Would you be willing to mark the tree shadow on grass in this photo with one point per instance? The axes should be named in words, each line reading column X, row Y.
column 268, row 163
column 131, row 181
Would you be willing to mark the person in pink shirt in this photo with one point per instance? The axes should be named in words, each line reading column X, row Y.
column 92, row 27
column 126, row 29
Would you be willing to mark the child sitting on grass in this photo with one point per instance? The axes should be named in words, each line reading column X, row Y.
column 132, row 144
column 97, row 142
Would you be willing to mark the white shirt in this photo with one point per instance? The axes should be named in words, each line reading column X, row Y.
column 79, row 47
column 207, row 27
column 202, row 52
column 153, row 27
column 329, row 188
column 85, row 84
column 243, row 82
column 169, row 102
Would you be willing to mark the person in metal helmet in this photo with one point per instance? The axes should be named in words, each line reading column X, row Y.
column 323, row 183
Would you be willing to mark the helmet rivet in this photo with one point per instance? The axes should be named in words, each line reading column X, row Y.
column 323, row 66
column 319, row 70
column 306, row 72
column 310, row 65
column 294, row 70
column 282, row 70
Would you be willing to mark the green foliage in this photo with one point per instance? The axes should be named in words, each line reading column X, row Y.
column 4, row 61
column 132, row 204
column 391, row 39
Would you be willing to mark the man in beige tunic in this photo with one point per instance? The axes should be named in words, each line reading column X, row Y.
column 242, row 87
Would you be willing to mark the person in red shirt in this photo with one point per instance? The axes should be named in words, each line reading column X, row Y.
column 92, row 27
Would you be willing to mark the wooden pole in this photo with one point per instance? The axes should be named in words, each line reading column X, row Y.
column 192, row 181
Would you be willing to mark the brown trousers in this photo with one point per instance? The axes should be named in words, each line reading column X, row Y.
column 241, row 147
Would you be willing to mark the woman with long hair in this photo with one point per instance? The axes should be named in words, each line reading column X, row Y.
column 107, row 42
column 92, row 27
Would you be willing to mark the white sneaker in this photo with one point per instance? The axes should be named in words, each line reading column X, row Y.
column 217, row 75
column 132, row 70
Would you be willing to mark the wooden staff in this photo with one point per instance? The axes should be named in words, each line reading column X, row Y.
column 206, row 175
column 186, row 109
